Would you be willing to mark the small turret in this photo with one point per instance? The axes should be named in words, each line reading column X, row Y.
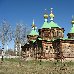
column 71, row 33
column 72, row 22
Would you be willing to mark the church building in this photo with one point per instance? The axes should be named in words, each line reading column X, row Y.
column 49, row 41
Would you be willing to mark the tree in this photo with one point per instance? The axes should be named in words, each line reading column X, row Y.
column 20, row 37
column 5, row 33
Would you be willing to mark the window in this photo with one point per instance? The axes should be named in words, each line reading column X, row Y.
column 46, row 47
column 59, row 34
column 52, row 33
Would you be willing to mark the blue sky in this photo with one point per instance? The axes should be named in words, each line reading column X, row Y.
column 26, row 10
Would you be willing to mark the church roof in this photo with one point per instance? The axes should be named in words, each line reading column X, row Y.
column 53, row 24
column 40, row 38
column 33, row 41
column 33, row 32
column 72, row 29
column 46, row 25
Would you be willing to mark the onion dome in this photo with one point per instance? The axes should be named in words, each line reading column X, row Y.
column 72, row 20
column 46, row 16
column 51, row 15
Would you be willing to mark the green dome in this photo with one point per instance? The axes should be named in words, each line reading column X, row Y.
column 33, row 32
column 72, row 29
column 46, row 25
column 52, row 24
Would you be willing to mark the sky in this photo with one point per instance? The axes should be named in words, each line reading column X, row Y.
column 25, row 11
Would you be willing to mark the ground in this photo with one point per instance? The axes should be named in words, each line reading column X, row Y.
column 16, row 66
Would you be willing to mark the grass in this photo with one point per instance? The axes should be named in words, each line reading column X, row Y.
column 16, row 66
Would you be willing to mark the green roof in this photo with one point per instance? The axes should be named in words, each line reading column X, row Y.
column 46, row 25
column 72, row 29
column 52, row 24
column 40, row 38
column 48, row 40
column 64, row 38
column 33, row 32
column 67, row 39
column 33, row 41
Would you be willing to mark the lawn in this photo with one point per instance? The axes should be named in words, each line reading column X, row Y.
column 16, row 66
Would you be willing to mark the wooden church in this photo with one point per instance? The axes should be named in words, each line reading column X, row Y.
column 49, row 41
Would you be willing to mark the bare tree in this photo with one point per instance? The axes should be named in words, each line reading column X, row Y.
column 5, row 34
column 20, row 37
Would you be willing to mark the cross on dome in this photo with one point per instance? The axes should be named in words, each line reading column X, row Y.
column 33, row 25
column 51, row 15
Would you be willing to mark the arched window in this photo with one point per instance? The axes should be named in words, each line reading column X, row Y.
column 52, row 34
column 49, row 34
column 59, row 33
